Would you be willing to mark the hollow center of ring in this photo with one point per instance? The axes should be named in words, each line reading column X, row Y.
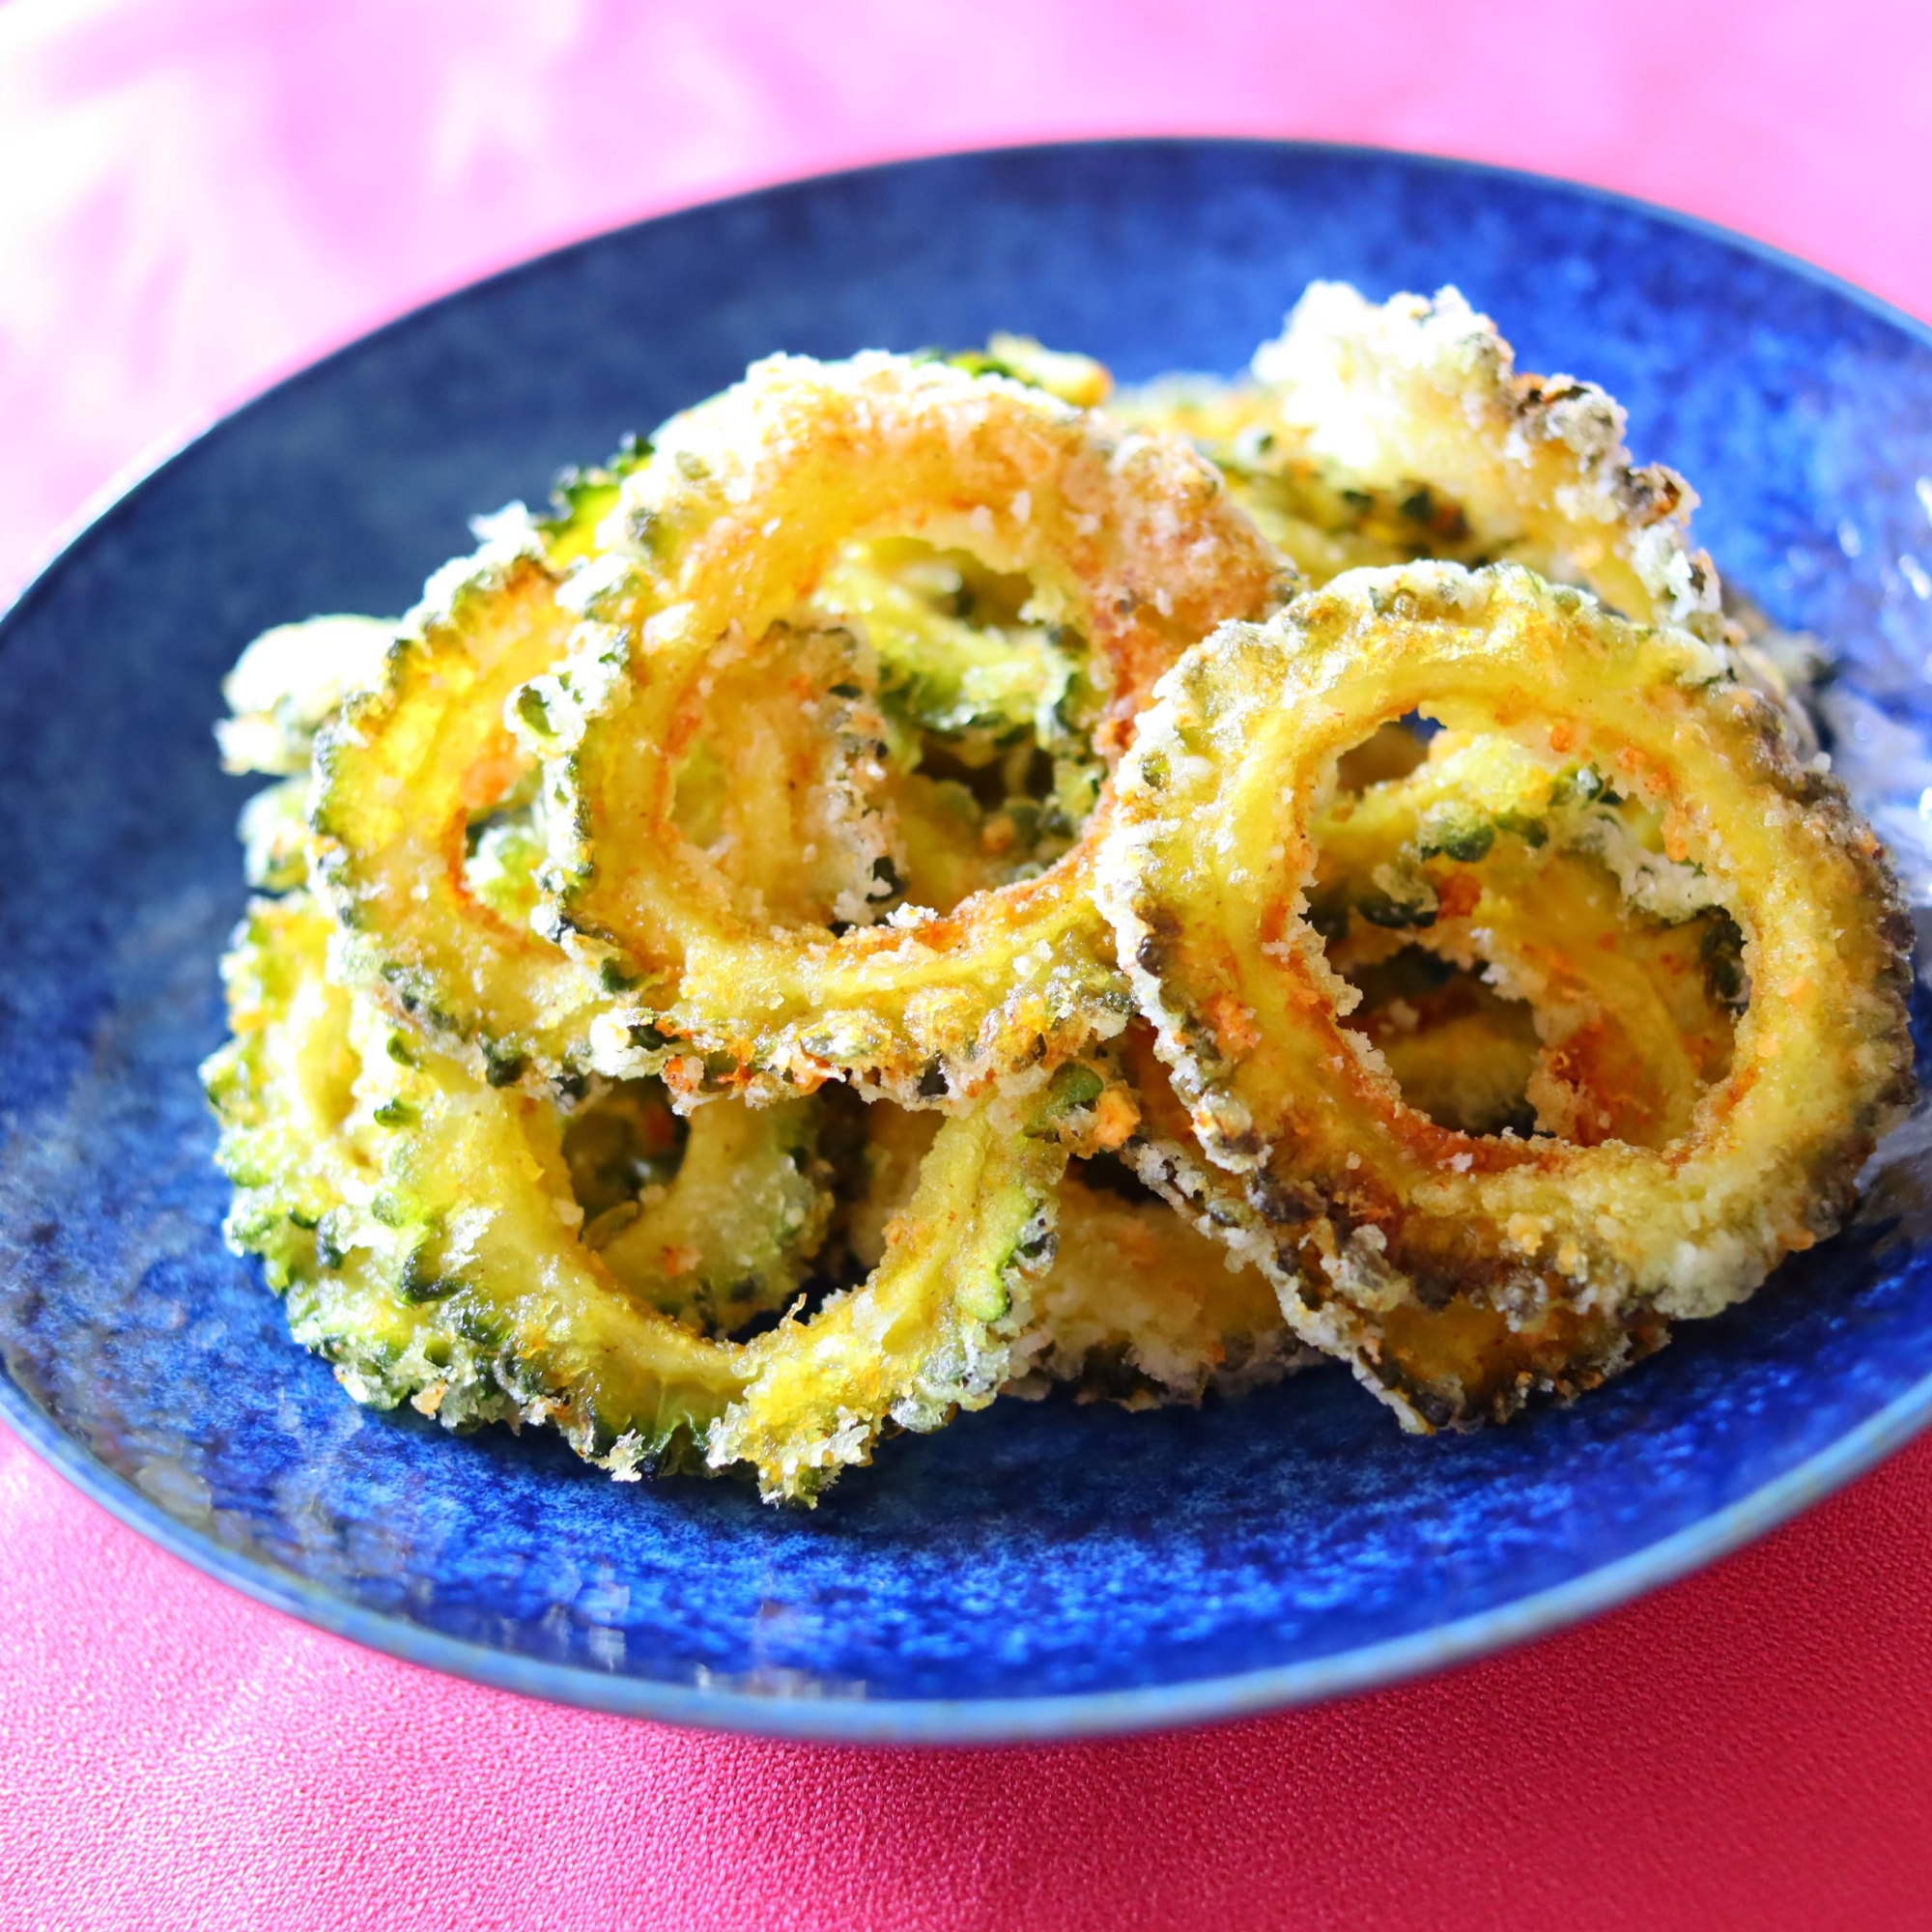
column 1528, row 958
column 989, row 771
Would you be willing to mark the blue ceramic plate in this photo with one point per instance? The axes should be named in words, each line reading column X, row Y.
column 1034, row 1570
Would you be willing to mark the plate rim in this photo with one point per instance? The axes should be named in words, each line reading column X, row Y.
column 968, row 1721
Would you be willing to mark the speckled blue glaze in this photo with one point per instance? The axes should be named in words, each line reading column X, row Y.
column 1034, row 1570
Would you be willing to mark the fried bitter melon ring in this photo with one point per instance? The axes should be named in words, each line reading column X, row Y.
column 1424, row 392
column 1385, row 1232
column 1373, row 435
column 1131, row 541
column 423, row 1227
column 288, row 682
column 411, row 781
column 400, row 774
column 422, row 1224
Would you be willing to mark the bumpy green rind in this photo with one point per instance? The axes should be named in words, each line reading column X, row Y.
column 421, row 1223
column 402, row 776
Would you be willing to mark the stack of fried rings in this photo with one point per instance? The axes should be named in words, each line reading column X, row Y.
column 1158, row 991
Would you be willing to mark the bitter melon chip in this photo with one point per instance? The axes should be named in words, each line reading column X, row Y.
column 1460, row 1271
column 1369, row 434
column 880, row 899
column 741, row 514
column 474, row 1250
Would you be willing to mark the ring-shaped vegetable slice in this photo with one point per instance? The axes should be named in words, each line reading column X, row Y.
column 743, row 507
column 402, row 774
column 1420, row 392
column 1373, row 435
column 1383, row 1228
column 430, row 859
column 293, row 1142
column 289, row 682
column 424, row 1225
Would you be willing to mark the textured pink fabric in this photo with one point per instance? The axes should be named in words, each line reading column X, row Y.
column 196, row 195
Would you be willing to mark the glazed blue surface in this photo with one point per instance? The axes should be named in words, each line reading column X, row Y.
column 1034, row 1569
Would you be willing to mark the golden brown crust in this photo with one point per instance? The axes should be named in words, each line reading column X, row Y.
column 1359, row 1205
column 742, row 509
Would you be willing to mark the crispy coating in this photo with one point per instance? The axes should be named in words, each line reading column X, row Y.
column 1386, row 1232
column 400, row 777
column 430, row 1234
column 1369, row 434
column 742, row 509
column 778, row 786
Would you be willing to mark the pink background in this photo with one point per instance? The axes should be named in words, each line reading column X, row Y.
column 197, row 195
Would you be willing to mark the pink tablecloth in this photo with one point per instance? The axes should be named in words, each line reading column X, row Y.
column 195, row 195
